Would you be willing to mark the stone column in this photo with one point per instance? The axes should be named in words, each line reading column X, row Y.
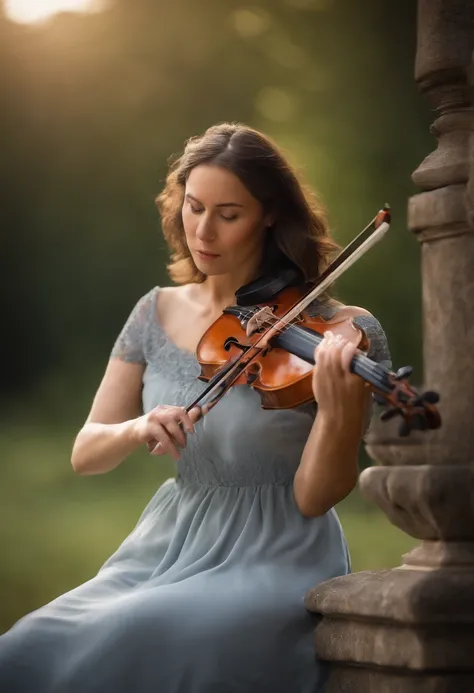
column 412, row 628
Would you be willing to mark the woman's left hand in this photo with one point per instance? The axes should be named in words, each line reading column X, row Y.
column 339, row 393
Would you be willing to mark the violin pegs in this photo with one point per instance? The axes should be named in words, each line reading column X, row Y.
column 389, row 414
column 403, row 373
column 430, row 397
column 419, row 422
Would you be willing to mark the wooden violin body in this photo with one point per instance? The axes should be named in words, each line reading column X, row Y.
column 281, row 377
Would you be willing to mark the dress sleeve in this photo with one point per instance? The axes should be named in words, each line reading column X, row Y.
column 379, row 350
column 129, row 345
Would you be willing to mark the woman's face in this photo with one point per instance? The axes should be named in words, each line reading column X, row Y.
column 224, row 224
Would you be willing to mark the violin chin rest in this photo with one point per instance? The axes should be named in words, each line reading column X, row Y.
column 264, row 288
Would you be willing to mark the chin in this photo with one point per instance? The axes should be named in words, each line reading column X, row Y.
column 209, row 272
column 212, row 268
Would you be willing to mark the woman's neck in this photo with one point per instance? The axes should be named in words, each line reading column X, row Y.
column 218, row 291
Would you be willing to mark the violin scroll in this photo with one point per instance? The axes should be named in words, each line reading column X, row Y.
column 417, row 410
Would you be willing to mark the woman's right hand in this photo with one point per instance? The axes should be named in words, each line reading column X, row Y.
column 164, row 429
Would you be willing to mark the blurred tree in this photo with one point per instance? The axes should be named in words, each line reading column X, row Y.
column 95, row 104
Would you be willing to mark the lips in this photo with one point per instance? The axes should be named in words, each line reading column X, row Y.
column 204, row 253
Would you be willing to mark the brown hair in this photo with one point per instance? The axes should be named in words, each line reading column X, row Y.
column 299, row 236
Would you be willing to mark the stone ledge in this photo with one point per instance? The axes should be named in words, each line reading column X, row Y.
column 348, row 679
column 398, row 597
column 417, row 648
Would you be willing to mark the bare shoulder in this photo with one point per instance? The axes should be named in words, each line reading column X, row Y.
column 179, row 314
column 168, row 295
column 172, row 298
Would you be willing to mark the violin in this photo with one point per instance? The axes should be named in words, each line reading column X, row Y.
column 281, row 371
column 268, row 341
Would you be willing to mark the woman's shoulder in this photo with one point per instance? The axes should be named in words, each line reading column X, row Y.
column 172, row 301
column 171, row 295
column 129, row 344
column 158, row 299
column 147, row 299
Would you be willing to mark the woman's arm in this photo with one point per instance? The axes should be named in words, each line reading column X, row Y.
column 109, row 434
column 328, row 469
column 116, row 425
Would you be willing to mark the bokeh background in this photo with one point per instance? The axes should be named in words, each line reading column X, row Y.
column 93, row 105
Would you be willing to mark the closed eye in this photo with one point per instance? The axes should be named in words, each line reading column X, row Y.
column 200, row 210
column 196, row 210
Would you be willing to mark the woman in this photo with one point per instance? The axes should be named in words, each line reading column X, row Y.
column 206, row 594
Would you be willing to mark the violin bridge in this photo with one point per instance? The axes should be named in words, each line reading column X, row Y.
column 261, row 319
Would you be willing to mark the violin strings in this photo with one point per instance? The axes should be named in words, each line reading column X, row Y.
column 368, row 369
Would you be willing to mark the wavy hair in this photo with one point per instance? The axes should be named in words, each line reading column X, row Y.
column 299, row 237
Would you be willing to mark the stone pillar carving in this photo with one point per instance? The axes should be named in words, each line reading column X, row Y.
column 412, row 628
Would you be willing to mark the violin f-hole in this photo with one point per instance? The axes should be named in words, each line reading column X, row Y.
column 233, row 341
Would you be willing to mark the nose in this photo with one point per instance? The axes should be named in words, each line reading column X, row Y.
column 205, row 229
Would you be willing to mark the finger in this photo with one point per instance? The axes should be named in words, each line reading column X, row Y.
column 165, row 442
column 336, row 357
column 187, row 421
column 152, row 444
column 327, row 346
column 335, row 342
column 330, row 358
column 348, row 352
column 174, row 417
column 323, row 344
column 175, row 430
column 177, row 422
column 328, row 338
column 195, row 414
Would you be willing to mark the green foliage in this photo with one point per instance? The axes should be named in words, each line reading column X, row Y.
column 94, row 106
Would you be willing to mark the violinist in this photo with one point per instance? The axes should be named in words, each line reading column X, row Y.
column 206, row 593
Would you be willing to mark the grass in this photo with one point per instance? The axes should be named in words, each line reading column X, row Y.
column 56, row 529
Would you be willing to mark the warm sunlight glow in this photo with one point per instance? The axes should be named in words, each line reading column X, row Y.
column 29, row 11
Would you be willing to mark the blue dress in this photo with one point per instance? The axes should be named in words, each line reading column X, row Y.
column 206, row 594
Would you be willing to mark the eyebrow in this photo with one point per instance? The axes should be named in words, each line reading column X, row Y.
column 222, row 204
